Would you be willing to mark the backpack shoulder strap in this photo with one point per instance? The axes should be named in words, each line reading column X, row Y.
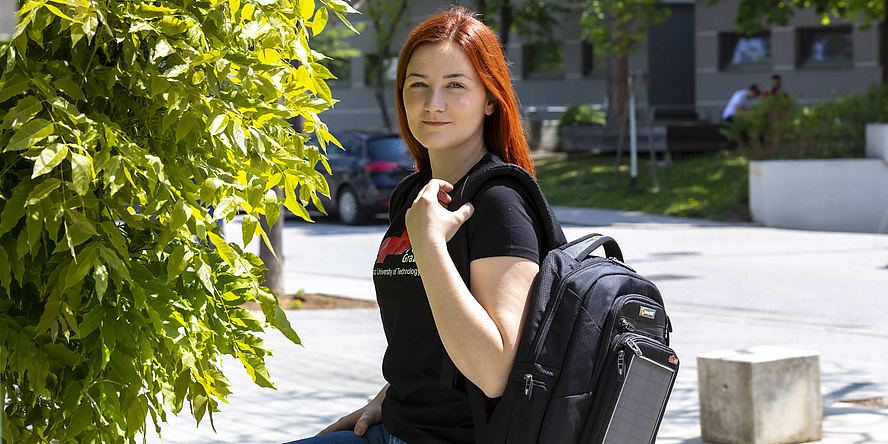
column 458, row 246
column 551, row 227
column 401, row 193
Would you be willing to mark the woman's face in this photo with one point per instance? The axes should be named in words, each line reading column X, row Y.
column 444, row 98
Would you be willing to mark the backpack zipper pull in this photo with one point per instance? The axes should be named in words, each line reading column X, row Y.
column 616, row 261
column 627, row 325
column 631, row 343
column 528, row 385
column 621, row 363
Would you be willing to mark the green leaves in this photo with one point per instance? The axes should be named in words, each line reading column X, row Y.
column 319, row 22
column 177, row 261
column 618, row 27
column 15, row 207
column 69, row 87
column 81, row 173
column 781, row 128
column 25, row 110
column 42, row 190
column 28, row 135
column 754, row 15
column 100, row 276
column 15, row 85
column 49, row 158
column 249, row 225
column 127, row 129
column 256, row 369
column 224, row 249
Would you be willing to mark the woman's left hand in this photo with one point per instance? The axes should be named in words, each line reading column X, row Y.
column 428, row 220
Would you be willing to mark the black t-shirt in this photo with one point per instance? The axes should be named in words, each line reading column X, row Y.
column 417, row 407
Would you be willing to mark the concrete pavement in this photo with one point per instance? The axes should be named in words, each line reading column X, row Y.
column 725, row 286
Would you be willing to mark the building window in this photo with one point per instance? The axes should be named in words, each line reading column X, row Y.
column 543, row 60
column 594, row 63
column 738, row 51
column 883, row 50
column 373, row 66
column 826, row 46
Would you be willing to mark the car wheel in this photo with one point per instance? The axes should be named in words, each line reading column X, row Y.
column 349, row 209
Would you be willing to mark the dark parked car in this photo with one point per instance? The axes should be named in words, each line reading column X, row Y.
column 364, row 174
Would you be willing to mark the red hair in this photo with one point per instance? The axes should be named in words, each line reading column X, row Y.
column 503, row 133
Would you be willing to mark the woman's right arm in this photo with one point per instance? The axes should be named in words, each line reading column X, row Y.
column 362, row 419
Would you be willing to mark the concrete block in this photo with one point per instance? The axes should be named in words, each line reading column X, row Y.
column 877, row 141
column 820, row 194
column 760, row 395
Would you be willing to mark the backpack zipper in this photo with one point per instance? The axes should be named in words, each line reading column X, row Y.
column 529, row 383
column 620, row 263
column 645, row 328
column 651, row 331
column 627, row 325
column 621, row 356
column 550, row 314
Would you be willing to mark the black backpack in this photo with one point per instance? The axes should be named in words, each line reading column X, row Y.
column 594, row 327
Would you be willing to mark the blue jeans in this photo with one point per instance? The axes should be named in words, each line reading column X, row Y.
column 376, row 434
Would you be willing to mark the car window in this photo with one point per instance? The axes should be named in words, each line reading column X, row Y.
column 352, row 147
column 388, row 148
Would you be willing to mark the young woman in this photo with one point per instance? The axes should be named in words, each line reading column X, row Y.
column 456, row 109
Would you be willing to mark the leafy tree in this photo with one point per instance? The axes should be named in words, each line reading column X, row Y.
column 126, row 129
column 335, row 43
column 753, row 15
column 616, row 29
column 387, row 19
column 534, row 20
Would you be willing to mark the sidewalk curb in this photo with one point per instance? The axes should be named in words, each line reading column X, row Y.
column 597, row 217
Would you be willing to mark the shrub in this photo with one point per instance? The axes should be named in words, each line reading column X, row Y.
column 582, row 115
column 128, row 128
column 779, row 128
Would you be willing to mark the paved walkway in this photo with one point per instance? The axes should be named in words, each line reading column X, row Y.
column 726, row 287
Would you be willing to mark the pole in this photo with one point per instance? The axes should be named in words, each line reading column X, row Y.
column 633, row 134
column 620, row 146
column 650, row 122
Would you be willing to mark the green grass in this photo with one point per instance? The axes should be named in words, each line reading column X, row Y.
column 709, row 186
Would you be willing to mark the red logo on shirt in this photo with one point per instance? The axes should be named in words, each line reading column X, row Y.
column 393, row 245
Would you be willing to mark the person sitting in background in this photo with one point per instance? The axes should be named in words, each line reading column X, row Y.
column 776, row 88
column 739, row 101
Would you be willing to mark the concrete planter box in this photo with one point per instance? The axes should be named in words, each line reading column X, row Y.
column 606, row 139
column 877, row 141
column 829, row 195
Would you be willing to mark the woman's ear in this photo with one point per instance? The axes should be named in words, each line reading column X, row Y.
column 490, row 106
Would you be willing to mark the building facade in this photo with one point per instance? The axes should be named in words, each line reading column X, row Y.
column 814, row 60
column 692, row 63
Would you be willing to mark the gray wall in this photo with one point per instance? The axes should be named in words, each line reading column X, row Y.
column 809, row 85
column 541, row 98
